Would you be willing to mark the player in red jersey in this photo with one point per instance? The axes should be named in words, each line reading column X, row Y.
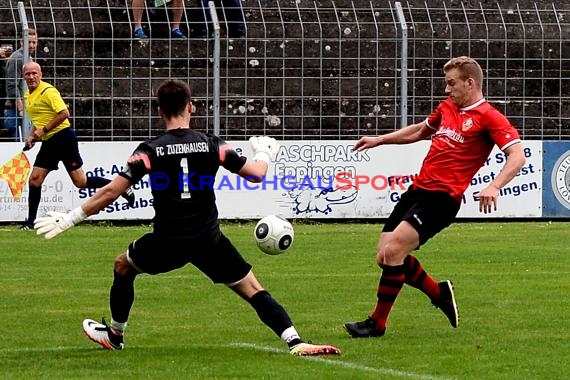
column 464, row 129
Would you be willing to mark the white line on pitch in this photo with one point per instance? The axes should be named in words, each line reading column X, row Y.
column 384, row 371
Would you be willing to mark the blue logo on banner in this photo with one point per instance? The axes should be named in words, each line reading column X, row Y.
column 556, row 178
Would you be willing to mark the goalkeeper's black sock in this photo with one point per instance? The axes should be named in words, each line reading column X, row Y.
column 34, row 196
column 96, row 182
column 122, row 297
column 271, row 312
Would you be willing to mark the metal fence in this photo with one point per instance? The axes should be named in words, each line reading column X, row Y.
column 303, row 69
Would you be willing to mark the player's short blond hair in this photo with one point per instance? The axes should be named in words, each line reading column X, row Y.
column 468, row 68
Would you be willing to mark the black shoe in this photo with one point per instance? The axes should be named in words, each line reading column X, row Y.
column 363, row 329
column 446, row 302
column 129, row 196
column 26, row 227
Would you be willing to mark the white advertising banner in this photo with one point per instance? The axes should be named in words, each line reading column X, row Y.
column 372, row 183
column 522, row 197
column 309, row 179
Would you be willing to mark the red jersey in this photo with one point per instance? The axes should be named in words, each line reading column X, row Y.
column 462, row 143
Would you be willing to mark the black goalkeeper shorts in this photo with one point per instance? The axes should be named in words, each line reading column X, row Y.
column 217, row 258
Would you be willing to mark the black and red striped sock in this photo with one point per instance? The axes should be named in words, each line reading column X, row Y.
column 391, row 282
column 417, row 277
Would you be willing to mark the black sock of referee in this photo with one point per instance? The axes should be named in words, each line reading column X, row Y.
column 34, row 196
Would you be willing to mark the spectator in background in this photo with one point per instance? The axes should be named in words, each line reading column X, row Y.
column 15, row 86
column 231, row 15
column 50, row 119
column 3, row 54
column 177, row 11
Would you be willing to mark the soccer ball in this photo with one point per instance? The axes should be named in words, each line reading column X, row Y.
column 273, row 234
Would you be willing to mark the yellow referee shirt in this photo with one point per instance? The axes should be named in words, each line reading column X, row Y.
column 42, row 105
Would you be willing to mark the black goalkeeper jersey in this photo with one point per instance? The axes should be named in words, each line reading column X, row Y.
column 182, row 165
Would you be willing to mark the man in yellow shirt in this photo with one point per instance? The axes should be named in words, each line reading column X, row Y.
column 50, row 119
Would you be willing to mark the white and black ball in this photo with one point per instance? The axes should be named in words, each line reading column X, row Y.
column 273, row 234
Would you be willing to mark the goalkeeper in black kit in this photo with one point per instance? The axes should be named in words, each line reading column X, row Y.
column 186, row 227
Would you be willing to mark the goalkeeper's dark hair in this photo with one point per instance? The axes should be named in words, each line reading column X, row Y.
column 173, row 97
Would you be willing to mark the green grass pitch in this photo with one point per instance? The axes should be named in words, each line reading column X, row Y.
column 512, row 284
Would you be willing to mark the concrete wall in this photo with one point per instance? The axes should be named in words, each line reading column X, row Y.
column 349, row 90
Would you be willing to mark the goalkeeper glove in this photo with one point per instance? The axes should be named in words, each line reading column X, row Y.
column 264, row 148
column 57, row 222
